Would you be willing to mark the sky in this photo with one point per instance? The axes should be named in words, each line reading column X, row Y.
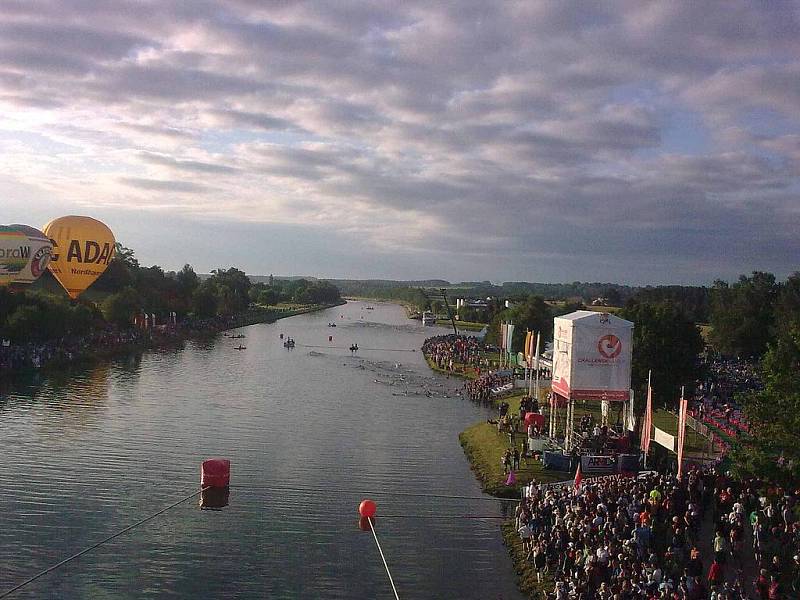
column 634, row 142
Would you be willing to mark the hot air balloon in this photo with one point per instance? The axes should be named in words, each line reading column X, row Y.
column 41, row 252
column 15, row 253
column 83, row 247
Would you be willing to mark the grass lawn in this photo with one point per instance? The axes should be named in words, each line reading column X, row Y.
column 462, row 325
column 485, row 446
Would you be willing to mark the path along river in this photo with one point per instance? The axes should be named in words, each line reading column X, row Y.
column 310, row 432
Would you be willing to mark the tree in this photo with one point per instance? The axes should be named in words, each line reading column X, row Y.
column 531, row 314
column 666, row 342
column 187, row 280
column 742, row 314
column 120, row 308
column 204, row 300
column 774, row 411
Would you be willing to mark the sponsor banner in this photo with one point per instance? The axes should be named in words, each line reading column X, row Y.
column 502, row 389
column 562, row 355
column 570, row 483
column 610, row 395
column 663, row 438
column 598, row 464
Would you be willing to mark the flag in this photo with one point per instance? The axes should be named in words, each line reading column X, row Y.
column 647, row 424
column 503, row 336
column 509, row 335
column 528, row 350
column 681, row 432
column 578, row 477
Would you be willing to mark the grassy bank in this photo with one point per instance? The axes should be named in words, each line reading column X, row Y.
column 462, row 325
column 484, row 447
column 526, row 576
column 460, row 370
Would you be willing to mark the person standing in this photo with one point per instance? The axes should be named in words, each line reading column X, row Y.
column 716, row 575
column 761, row 584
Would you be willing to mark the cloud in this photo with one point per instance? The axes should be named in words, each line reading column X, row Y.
column 505, row 132
column 165, row 185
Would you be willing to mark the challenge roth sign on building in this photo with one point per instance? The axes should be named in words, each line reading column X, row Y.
column 592, row 356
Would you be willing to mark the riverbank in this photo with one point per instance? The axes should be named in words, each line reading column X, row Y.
column 484, row 447
column 108, row 344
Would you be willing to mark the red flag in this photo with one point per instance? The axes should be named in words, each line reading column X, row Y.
column 681, row 432
column 578, row 477
column 647, row 425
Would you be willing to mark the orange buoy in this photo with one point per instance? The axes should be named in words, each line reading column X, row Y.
column 367, row 508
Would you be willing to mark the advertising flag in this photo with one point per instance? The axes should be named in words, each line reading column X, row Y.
column 527, row 350
column 681, row 432
column 647, row 424
column 578, row 478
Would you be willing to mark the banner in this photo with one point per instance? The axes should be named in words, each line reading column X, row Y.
column 527, row 349
column 663, row 438
column 681, row 432
column 509, row 336
column 647, row 425
column 598, row 464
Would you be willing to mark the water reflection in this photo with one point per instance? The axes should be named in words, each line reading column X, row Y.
column 214, row 498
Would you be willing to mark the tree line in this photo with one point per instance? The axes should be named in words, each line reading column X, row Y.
column 127, row 289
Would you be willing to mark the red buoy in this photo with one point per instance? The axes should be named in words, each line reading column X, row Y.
column 215, row 473
column 367, row 508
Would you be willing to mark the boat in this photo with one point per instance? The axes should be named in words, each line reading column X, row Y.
column 331, row 324
column 354, row 348
column 237, row 336
column 240, row 348
column 428, row 318
column 370, row 308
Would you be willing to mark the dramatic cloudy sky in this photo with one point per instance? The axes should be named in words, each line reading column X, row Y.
column 544, row 141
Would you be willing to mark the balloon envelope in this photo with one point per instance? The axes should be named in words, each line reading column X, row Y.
column 41, row 252
column 83, row 247
column 15, row 254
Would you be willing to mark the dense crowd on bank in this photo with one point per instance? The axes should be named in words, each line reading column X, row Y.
column 630, row 538
column 449, row 352
column 107, row 341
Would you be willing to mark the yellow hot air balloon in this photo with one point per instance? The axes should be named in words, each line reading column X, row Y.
column 15, row 254
column 83, row 248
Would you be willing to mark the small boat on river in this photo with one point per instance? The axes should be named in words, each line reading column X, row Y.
column 240, row 348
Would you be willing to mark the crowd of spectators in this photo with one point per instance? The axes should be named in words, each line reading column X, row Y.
column 451, row 352
column 649, row 537
column 480, row 389
column 103, row 341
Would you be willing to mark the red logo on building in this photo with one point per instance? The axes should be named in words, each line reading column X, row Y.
column 609, row 346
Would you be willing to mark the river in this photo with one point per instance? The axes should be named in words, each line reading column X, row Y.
column 309, row 432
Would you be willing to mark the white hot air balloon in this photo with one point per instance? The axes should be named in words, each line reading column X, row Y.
column 41, row 250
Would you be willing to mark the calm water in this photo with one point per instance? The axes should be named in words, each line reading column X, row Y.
column 85, row 455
